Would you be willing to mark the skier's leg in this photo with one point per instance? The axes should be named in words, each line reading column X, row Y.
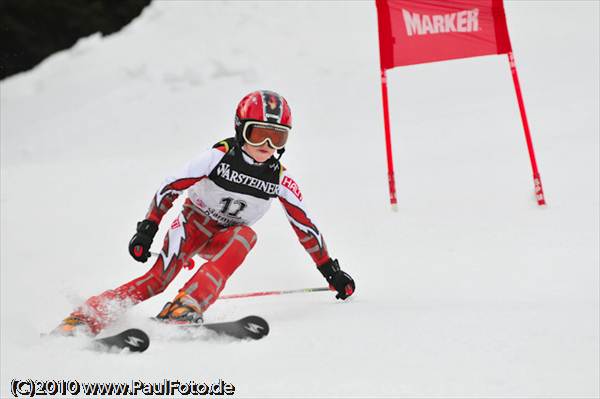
column 182, row 240
column 225, row 252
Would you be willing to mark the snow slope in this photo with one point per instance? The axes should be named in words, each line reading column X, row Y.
column 470, row 290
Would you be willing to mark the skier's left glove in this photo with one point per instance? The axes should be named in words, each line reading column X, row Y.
column 337, row 278
column 139, row 246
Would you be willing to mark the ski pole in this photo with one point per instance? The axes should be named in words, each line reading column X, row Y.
column 281, row 292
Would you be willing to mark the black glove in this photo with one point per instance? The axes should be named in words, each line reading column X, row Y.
column 337, row 278
column 139, row 246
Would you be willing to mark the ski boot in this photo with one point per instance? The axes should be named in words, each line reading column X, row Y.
column 183, row 310
column 74, row 324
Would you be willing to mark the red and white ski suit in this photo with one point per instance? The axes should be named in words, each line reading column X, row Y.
column 227, row 192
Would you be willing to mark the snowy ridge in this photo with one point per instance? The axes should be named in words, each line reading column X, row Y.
column 470, row 290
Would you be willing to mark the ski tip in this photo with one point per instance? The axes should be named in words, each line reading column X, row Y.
column 136, row 339
column 256, row 326
column 133, row 339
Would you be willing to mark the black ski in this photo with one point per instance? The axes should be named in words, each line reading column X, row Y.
column 249, row 327
column 252, row 327
column 133, row 339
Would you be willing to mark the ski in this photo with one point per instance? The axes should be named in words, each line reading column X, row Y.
column 249, row 327
column 133, row 339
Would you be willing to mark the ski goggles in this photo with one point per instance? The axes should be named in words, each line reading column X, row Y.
column 258, row 133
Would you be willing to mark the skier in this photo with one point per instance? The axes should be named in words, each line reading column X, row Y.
column 229, row 188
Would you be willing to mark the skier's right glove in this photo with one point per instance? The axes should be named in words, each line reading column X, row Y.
column 139, row 246
column 337, row 278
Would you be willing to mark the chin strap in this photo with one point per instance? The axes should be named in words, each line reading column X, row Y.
column 280, row 152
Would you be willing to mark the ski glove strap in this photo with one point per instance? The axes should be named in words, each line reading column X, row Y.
column 139, row 246
column 337, row 278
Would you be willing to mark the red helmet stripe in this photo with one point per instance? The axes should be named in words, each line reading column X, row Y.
column 260, row 106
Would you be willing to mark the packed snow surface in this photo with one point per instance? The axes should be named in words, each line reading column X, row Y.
column 469, row 290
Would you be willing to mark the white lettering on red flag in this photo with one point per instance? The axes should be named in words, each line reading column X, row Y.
column 417, row 31
column 462, row 21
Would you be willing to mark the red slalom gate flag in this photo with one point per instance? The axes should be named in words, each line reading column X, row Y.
column 415, row 32
column 420, row 31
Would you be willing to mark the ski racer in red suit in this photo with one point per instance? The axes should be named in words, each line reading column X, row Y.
column 229, row 188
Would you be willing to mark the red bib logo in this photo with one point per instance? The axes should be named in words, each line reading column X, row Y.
column 175, row 224
column 292, row 186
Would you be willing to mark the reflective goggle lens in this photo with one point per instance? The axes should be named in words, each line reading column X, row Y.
column 258, row 135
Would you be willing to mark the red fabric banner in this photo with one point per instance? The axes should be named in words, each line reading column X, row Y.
column 420, row 31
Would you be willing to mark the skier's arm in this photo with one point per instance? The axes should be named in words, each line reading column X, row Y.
column 173, row 186
column 192, row 173
column 311, row 238
column 308, row 234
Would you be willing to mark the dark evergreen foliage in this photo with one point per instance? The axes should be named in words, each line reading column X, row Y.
column 31, row 30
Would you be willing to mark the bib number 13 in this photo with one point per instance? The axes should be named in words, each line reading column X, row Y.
column 236, row 206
